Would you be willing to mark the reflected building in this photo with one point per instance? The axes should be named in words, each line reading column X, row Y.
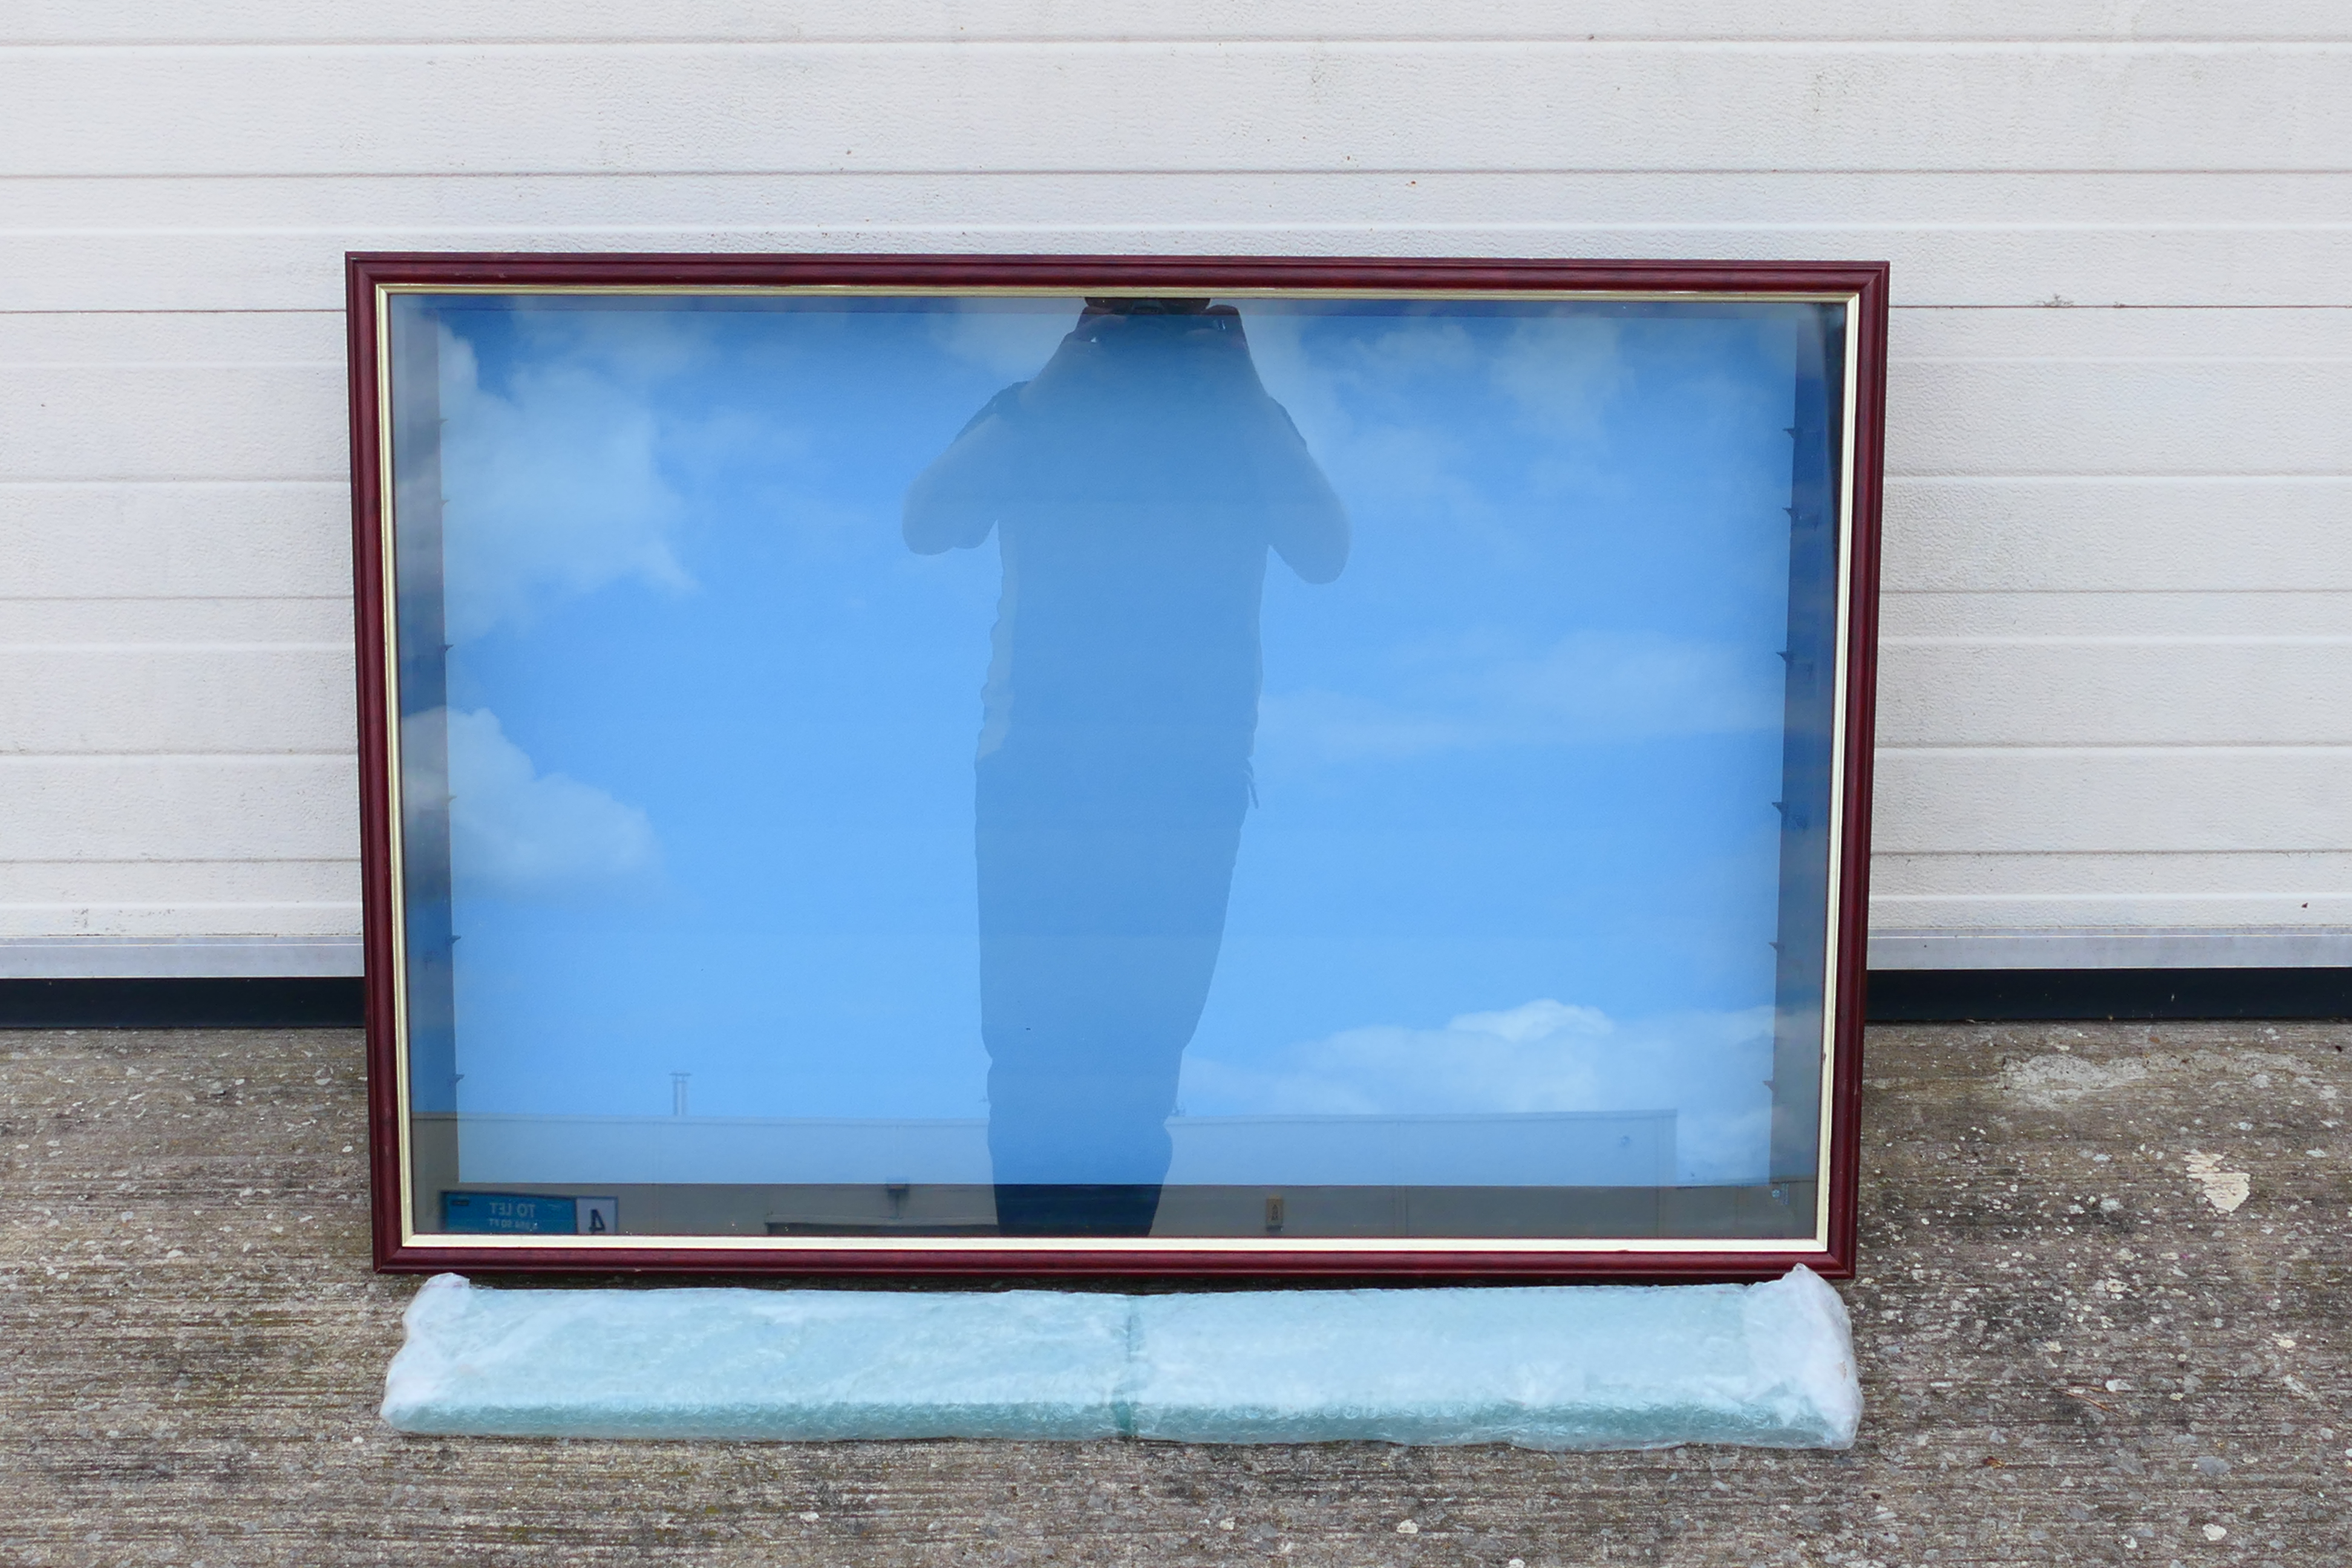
column 1134, row 485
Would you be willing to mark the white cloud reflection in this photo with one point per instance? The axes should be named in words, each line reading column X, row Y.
column 1355, row 397
column 1710, row 1068
column 554, row 486
column 1012, row 338
column 517, row 832
column 1590, row 686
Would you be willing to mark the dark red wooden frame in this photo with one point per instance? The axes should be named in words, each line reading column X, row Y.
column 1080, row 274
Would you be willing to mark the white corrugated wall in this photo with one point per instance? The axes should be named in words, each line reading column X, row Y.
column 2117, row 669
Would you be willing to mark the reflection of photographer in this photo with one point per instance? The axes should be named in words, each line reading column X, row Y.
column 1135, row 486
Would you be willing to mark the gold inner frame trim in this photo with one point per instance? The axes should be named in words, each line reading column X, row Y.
column 1730, row 1248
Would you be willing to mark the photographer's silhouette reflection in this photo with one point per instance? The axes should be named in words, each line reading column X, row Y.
column 1135, row 485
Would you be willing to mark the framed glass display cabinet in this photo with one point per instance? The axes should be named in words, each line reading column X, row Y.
column 1184, row 767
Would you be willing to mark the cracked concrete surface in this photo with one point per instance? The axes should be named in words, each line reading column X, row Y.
column 2101, row 1316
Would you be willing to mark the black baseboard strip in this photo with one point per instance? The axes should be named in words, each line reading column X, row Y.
column 1896, row 996
column 331, row 1001
column 2004, row 996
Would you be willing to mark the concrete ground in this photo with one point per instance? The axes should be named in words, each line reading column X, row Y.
column 2076, row 1345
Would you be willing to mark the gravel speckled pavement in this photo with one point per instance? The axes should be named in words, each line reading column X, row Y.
column 2101, row 1320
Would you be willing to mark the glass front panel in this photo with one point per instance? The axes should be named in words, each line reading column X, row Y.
column 912, row 765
